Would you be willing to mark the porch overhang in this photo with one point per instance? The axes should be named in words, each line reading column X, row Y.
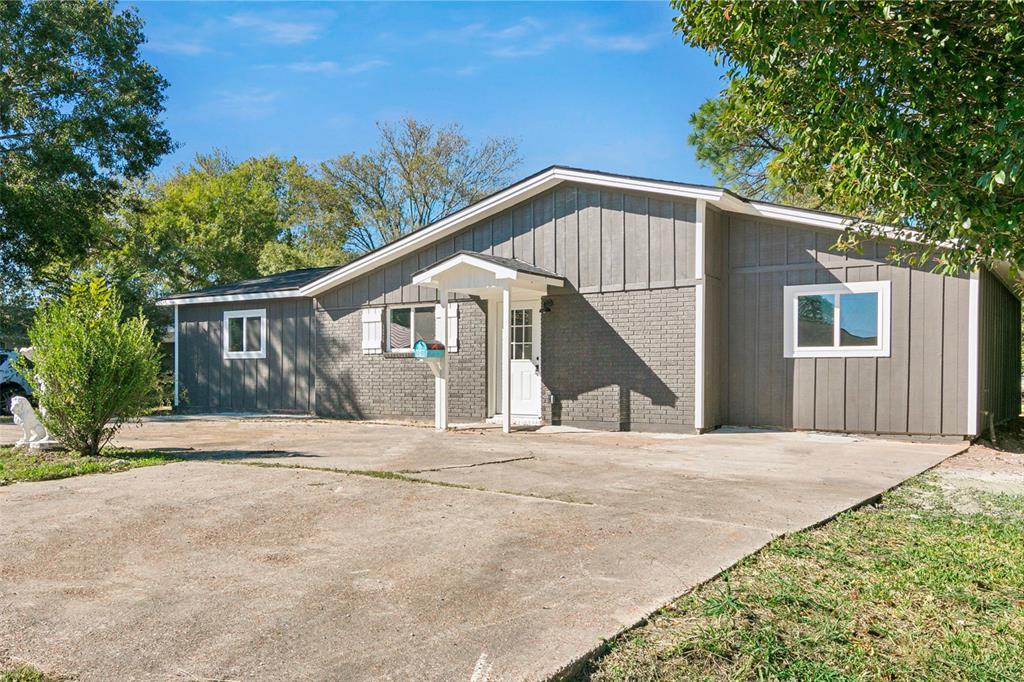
column 486, row 276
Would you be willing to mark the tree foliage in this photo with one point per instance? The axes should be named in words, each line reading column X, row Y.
column 908, row 113
column 417, row 174
column 93, row 369
column 79, row 112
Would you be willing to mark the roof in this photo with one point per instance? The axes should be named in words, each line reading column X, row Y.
column 510, row 263
column 528, row 187
column 282, row 283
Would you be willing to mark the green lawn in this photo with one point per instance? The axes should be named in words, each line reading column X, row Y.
column 929, row 585
column 23, row 673
column 20, row 464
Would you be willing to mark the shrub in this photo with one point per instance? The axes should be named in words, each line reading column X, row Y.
column 93, row 368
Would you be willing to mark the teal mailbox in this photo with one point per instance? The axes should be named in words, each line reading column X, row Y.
column 428, row 350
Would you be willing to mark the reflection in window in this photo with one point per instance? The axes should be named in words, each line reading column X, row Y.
column 235, row 336
column 858, row 320
column 406, row 326
column 816, row 321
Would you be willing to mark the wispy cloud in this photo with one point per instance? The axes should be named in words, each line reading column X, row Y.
column 188, row 48
column 332, row 68
column 274, row 28
column 531, row 37
column 246, row 104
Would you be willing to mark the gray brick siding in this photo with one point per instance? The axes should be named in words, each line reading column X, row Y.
column 622, row 360
column 352, row 385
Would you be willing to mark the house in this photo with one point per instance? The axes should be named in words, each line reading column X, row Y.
column 616, row 302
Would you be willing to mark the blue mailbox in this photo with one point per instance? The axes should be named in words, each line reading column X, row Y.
column 428, row 350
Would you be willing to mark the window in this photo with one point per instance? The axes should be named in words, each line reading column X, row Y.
column 245, row 333
column 837, row 320
column 406, row 326
column 522, row 334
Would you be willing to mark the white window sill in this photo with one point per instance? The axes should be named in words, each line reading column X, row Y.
column 246, row 355
column 839, row 353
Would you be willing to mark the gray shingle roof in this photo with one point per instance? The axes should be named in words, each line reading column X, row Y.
column 282, row 281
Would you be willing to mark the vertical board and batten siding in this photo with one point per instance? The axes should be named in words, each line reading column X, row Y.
column 280, row 382
column 715, row 384
column 920, row 389
column 600, row 241
column 999, row 379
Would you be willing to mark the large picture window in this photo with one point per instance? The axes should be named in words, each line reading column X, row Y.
column 837, row 320
column 245, row 334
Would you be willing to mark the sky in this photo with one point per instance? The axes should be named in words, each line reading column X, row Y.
column 603, row 86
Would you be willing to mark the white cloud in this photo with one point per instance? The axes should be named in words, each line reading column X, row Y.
column 188, row 48
column 247, row 104
column 274, row 29
column 331, row 68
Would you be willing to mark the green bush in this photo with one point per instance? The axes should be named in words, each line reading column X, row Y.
column 93, row 368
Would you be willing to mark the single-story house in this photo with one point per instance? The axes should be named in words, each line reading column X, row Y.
column 606, row 301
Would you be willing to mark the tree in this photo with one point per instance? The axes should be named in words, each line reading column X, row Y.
column 908, row 113
column 417, row 174
column 93, row 369
column 218, row 221
column 79, row 112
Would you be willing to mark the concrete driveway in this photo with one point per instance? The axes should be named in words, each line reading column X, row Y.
column 511, row 555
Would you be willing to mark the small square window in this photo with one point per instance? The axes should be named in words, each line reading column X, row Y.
column 407, row 325
column 244, row 332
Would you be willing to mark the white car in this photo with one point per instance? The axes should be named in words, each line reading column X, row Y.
column 12, row 383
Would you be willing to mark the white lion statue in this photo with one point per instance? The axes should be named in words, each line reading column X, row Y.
column 32, row 429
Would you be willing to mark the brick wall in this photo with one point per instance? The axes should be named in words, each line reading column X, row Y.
column 621, row 361
column 350, row 384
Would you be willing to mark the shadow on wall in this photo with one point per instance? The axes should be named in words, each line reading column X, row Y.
column 335, row 396
column 583, row 353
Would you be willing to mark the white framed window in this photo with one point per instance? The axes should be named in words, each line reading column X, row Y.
column 408, row 324
column 245, row 334
column 850, row 320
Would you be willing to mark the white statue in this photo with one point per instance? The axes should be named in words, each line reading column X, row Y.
column 32, row 429
column 35, row 434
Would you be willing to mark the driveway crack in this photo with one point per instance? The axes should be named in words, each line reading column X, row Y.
column 466, row 466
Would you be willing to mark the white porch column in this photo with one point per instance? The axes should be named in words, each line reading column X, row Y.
column 441, row 381
column 506, row 360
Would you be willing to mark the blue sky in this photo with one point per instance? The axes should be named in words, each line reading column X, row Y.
column 606, row 86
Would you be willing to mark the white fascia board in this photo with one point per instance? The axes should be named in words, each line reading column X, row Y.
column 229, row 298
column 428, row 277
column 640, row 185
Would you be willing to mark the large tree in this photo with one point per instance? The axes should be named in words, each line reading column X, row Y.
column 211, row 222
column 416, row 174
column 908, row 113
column 79, row 113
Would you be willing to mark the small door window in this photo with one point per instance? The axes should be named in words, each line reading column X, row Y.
column 522, row 334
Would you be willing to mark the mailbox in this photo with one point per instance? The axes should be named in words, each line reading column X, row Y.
column 427, row 350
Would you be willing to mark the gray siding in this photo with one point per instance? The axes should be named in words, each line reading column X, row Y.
column 352, row 385
column 600, row 241
column 998, row 352
column 620, row 360
column 281, row 382
column 920, row 389
column 715, row 333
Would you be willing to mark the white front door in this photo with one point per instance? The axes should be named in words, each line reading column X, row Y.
column 524, row 377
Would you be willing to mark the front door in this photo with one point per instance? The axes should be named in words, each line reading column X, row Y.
column 525, row 371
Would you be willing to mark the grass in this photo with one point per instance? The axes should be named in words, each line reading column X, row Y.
column 929, row 585
column 21, row 464
column 23, row 673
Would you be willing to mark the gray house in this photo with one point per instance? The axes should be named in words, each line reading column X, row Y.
column 598, row 300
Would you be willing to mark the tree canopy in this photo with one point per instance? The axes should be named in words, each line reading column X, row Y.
column 417, row 173
column 79, row 112
column 907, row 113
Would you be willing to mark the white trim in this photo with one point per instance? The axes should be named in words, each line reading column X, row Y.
column 230, row 298
column 791, row 317
column 698, row 351
column 506, row 360
column 245, row 354
column 176, row 356
column 973, row 341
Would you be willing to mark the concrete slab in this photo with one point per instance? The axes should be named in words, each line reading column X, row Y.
column 213, row 569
